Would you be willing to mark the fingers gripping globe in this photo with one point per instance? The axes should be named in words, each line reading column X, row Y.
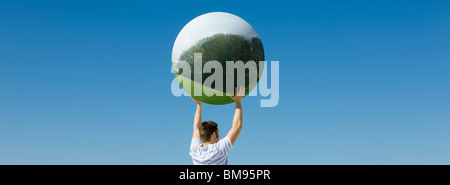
column 215, row 54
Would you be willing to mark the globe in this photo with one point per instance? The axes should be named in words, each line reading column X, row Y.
column 219, row 37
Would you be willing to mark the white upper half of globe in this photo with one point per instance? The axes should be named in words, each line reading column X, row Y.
column 207, row 25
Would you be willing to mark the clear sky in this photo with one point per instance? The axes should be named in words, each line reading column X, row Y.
column 361, row 82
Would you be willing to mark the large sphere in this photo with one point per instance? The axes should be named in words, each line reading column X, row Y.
column 221, row 37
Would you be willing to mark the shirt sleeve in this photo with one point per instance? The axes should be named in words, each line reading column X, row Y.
column 225, row 145
column 195, row 142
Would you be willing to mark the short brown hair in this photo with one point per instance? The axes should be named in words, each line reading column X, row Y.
column 206, row 130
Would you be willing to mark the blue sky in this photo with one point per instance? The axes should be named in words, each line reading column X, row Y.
column 361, row 82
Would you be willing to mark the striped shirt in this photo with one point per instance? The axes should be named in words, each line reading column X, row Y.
column 213, row 154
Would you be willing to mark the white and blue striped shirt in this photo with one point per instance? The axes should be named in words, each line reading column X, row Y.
column 213, row 154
